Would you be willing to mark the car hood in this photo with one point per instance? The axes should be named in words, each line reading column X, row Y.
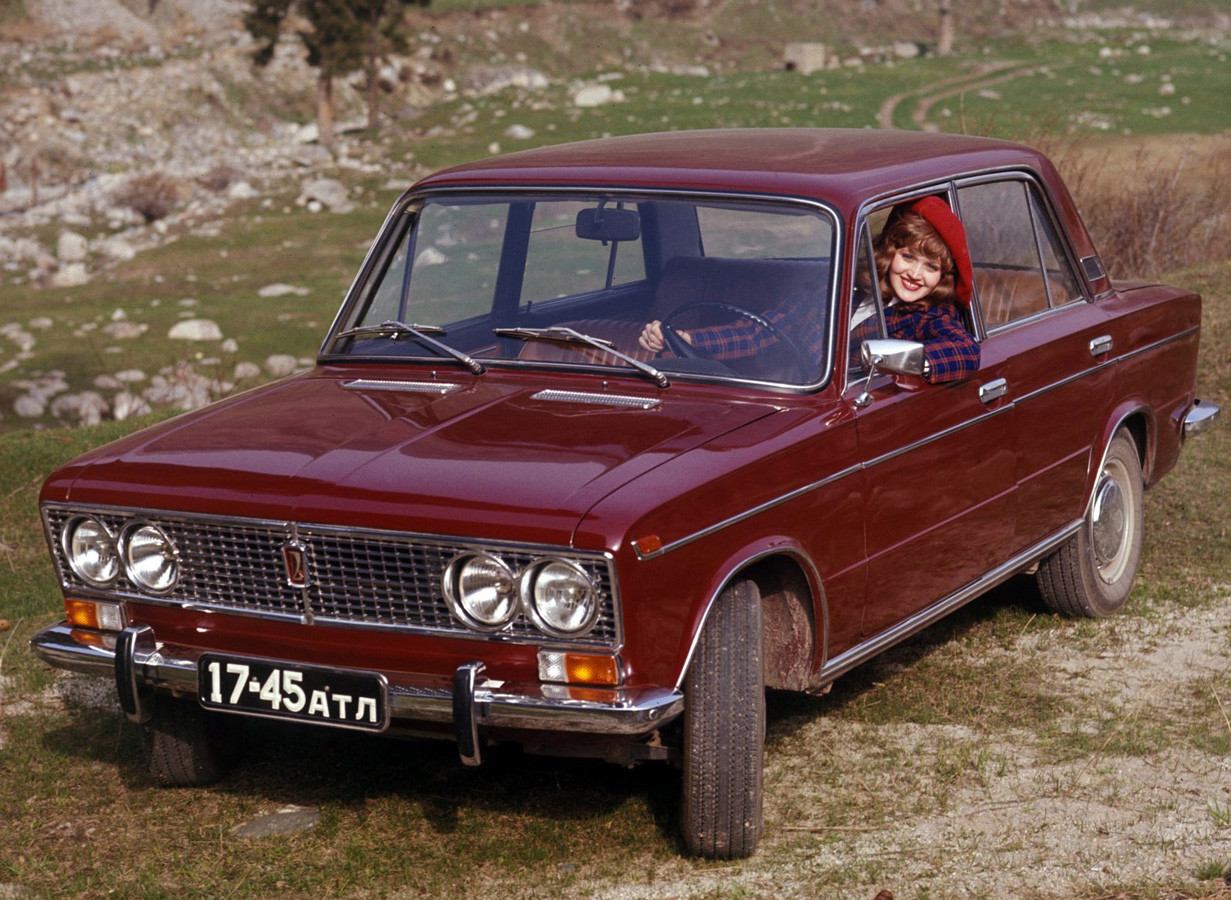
column 500, row 458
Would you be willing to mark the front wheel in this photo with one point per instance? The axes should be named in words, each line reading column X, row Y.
column 724, row 730
column 1092, row 574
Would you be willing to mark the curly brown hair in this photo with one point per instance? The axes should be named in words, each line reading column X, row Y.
column 910, row 230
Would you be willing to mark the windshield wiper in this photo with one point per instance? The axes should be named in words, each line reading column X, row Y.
column 421, row 333
column 562, row 335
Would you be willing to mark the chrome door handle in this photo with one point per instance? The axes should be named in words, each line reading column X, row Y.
column 1101, row 344
column 993, row 390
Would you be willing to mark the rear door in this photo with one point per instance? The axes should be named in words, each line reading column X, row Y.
column 1053, row 342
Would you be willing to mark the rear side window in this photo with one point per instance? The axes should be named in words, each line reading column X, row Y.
column 1019, row 264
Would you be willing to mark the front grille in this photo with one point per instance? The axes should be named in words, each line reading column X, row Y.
column 355, row 577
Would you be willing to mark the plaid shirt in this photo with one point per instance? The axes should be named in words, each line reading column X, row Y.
column 952, row 352
column 799, row 318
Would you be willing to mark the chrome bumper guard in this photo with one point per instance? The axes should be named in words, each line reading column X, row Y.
column 140, row 664
column 1200, row 416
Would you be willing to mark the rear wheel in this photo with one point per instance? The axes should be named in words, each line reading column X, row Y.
column 189, row 747
column 724, row 730
column 1092, row 574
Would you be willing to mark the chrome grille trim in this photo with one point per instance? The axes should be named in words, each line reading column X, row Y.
column 362, row 578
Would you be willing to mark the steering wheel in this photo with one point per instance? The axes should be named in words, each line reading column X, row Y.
column 794, row 366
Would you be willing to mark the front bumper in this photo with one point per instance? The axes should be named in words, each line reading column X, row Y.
column 473, row 703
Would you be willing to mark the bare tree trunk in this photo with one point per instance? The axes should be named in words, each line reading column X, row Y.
column 945, row 46
column 372, row 85
column 324, row 108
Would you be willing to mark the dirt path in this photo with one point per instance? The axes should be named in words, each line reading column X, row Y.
column 926, row 97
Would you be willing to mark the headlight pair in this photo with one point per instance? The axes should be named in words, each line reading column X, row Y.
column 142, row 551
column 485, row 593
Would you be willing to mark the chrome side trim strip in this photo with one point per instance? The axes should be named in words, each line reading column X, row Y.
column 531, row 706
column 860, row 653
column 746, row 514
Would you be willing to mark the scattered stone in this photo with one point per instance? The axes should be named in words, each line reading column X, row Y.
column 72, row 247
column 241, row 190
column 246, row 371
column 431, row 256
column 328, row 192
column 28, row 406
column 72, row 275
column 281, row 364
column 124, row 330
column 86, row 408
column 195, row 330
column 592, row 95
column 127, row 404
column 288, row 820
column 281, row 290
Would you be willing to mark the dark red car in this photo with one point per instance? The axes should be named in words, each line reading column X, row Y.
column 488, row 514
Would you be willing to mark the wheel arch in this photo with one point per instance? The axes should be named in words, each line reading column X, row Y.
column 1138, row 419
column 794, row 611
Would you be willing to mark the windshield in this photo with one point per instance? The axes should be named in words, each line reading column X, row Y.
column 736, row 289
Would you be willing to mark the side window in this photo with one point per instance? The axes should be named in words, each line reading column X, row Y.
column 1019, row 266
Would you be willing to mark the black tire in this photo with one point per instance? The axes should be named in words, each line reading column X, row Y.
column 188, row 747
column 724, row 730
column 1092, row 574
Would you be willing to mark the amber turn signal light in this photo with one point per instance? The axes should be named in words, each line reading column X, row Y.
column 578, row 668
column 89, row 614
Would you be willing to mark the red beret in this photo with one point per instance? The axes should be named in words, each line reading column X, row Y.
column 949, row 227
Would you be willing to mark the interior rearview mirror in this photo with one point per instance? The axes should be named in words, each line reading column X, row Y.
column 602, row 223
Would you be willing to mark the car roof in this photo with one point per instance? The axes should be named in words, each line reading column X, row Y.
column 842, row 166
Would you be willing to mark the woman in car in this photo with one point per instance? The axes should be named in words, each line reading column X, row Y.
column 923, row 267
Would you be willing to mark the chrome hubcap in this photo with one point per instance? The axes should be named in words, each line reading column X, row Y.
column 1110, row 526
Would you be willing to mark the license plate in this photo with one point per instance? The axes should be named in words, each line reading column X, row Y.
column 304, row 693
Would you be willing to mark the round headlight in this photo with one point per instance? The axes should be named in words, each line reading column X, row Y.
column 150, row 559
column 481, row 590
column 560, row 597
column 91, row 552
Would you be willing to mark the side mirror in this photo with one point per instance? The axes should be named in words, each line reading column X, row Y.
column 601, row 223
column 888, row 355
column 899, row 357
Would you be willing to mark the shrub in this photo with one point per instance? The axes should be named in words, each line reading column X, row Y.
column 153, row 196
column 219, row 178
column 1150, row 210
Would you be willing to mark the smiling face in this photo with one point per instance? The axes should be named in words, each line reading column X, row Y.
column 913, row 275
